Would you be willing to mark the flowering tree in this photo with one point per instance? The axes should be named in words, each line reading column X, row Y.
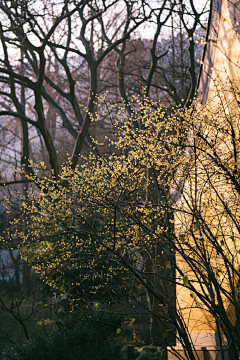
column 161, row 213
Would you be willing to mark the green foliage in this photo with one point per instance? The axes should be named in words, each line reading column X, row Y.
column 185, row 280
column 166, row 332
column 78, row 337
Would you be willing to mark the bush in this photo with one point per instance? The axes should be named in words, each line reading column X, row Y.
column 77, row 338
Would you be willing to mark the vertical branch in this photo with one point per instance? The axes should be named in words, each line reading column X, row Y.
column 191, row 49
column 25, row 138
column 121, row 64
column 181, row 55
column 87, row 121
column 173, row 53
column 53, row 160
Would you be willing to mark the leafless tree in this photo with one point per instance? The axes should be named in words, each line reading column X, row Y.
column 59, row 56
